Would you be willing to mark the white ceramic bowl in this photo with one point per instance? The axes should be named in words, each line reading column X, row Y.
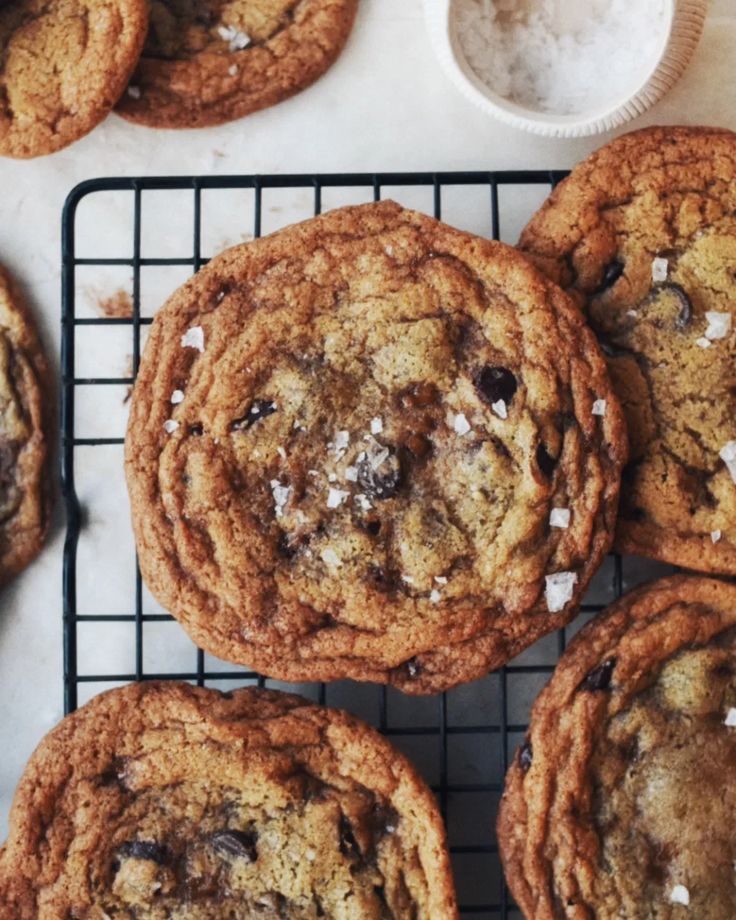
column 678, row 42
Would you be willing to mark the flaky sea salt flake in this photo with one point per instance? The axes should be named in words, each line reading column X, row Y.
column 342, row 439
column 434, row 596
column 560, row 517
column 335, row 497
column 660, row 270
column 329, row 556
column 176, row 397
column 702, row 342
column 461, row 425
column 680, row 895
column 281, row 452
column 500, row 409
column 599, row 407
column 715, row 536
column 351, row 473
column 233, row 70
column 440, row 579
column 728, row 455
column 134, row 92
column 730, row 720
column 558, row 590
column 193, row 338
column 719, row 325
column 362, row 500
column 281, row 495
column 376, row 425
column 236, row 40
column 170, row 425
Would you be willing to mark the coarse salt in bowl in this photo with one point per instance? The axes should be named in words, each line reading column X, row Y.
column 565, row 68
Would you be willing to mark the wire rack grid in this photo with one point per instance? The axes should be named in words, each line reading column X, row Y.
column 113, row 631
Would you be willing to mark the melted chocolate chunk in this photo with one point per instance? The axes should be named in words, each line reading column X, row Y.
column 384, row 821
column 545, row 461
column 348, row 844
column 600, row 677
column 526, row 756
column 144, row 849
column 612, row 273
column 412, row 667
column 373, row 527
column 496, row 383
column 235, row 844
column 382, row 480
column 260, row 409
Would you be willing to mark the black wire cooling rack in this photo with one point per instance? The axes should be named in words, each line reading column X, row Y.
column 113, row 631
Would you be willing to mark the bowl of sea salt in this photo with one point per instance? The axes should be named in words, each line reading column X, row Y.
column 565, row 68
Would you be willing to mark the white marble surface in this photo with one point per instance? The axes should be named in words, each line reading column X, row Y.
column 384, row 106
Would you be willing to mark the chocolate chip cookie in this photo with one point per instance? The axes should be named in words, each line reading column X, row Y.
column 643, row 236
column 622, row 801
column 372, row 446
column 63, row 65
column 208, row 61
column 24, row 403
column 164, row 800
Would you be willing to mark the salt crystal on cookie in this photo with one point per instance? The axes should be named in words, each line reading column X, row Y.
column 559, row 590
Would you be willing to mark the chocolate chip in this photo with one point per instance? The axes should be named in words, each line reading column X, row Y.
column 382, row 480
column 612, row 273
column 600, row 677
column 496, row 383
column 525, row 756
column 144, row 849
column 348, row 844
column 235, row 844
column 260, row 408
column 545, row 461
column 284, row 547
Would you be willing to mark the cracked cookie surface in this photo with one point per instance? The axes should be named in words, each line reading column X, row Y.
column 643, row 236
column 210, row 61
column 163, row 800
column 63, row 65
column 24, row 477
column 622, row 802
column 345, row 448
